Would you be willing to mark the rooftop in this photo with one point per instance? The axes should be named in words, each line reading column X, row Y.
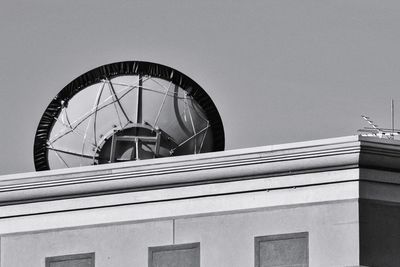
column 296, row 173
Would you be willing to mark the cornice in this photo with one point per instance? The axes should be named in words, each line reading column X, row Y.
column 235, row 165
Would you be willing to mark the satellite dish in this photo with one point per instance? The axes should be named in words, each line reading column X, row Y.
column 126, row 111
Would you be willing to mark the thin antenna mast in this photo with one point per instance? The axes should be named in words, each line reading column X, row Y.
column 392, row 109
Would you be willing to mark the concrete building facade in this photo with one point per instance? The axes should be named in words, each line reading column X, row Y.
column 332, row 202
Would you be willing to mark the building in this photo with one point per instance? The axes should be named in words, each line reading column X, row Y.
column 332, row 202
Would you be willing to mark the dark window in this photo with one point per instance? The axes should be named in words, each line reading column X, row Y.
column 289, row 250
column 185, row 255
column 76, row 260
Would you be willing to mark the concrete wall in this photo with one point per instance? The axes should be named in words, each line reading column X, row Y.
column 379, row 233
column 114, row 245
column 226, row 240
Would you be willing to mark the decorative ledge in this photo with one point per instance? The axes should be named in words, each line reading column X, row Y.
column 244, row 164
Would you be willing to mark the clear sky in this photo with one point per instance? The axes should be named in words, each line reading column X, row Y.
column 278, row 71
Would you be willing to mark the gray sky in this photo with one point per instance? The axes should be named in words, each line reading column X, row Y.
column 278, row 71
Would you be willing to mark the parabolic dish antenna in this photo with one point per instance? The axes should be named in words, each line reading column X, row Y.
column 126, row 111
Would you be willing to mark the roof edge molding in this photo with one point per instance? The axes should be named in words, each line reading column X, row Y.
column 243, row 164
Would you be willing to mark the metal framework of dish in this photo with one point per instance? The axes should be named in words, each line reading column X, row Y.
column 126, row 111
